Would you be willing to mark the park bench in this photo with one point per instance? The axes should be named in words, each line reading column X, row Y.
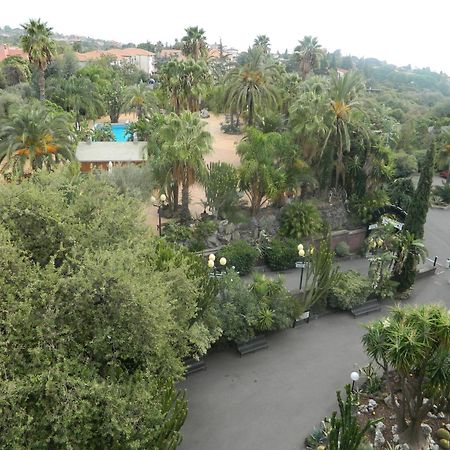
column 366, row 308
column 253, row 345
column 193, row 366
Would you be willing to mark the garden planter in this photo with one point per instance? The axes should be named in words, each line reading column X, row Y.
column 366, row 308
column 193, row 365
column 252, row 345
column 303, row 318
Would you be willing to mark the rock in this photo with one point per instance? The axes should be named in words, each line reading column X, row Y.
column 393, row 417
column 441, row 415
column 222, row 225
column 380, row 426
column 236, row 236
column 379, row 439
column 388, row 400
column 226, row 238
column 212, row 241
column 431, row 415
column 395, row 439
column 447, row 425
column 363, row 409
column 372, row 404
column 230, row 228
column 426, row 429
column 394, row 429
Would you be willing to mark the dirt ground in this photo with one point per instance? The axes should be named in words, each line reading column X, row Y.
column 224, row 150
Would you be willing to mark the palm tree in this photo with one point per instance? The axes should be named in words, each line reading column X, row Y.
column 33, row 134
column 141, row 98
column 194, row 43
column 263, row 42
column 308, row 52
column 344, row 95
column 39, row 45
column 252, row 86
column 184, row 145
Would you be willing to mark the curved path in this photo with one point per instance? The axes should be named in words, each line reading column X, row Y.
column 271, row 400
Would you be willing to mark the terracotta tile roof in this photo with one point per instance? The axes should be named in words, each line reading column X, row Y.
column 170, row 53
column 6, row 50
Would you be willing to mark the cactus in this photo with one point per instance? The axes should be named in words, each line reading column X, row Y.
column 442, row 433
column 444, row 443
column 345, row 433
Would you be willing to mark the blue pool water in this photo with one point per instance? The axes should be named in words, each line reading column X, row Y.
column 119, row 132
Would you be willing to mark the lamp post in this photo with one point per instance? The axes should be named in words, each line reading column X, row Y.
column 355, row 377
column 211, row 265
column 301, row 264
column 159, row 205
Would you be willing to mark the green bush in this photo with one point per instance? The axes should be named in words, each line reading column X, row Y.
column 201, row 232
column 349, row 290
column 443, row 193
column 103, row 133
column 221, row 188
column 401, row 192
column 237, row 308
column 240, row 255
column 177, row 233
column 364, row 207
column 277, row 307
column 342, row 249
column 300, row 219
column 281, row 254
column 405, row 164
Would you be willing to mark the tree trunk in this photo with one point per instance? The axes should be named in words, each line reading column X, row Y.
column 41, row 82
column 413, row 436
column 448, row 174
column 139, row 111
column 250, row 112
column 185, row 215
column 175, row 196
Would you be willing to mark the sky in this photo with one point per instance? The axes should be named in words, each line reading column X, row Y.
column 401, row 32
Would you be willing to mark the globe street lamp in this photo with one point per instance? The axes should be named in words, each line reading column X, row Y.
column 211, row 265
column 355, row 377
column 159, row 205
column 301, row 264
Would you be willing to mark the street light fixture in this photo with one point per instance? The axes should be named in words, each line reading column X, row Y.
column 211, row 265
column 355, row 377
column 301, row 264
column 159, row 205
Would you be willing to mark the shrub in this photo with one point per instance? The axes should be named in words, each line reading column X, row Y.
column 442, row 192
column 349, row 290
column 401, row 192
column 277, row 307
column 237, row 308
column 201, row 232
column 363, row 207
column 342, row 249
column 300, row 219
column 103, row 133
column 176, row 233
column 405, row 164
column 230, row 128
column 221, row 188
column 281, row 254
column 241, row 255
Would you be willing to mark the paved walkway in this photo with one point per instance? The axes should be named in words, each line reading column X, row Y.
column 271, row 400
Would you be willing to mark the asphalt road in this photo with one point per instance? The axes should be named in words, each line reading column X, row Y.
column 272, row 399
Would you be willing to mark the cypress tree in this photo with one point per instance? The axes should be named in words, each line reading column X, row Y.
column 417, row 216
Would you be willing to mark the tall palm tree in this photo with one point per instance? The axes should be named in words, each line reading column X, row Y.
column 185, row 143
column 194, row 43
column 252, row 86
column 263, row 42
column 33, row 134
column 308, row 52
column 140, row 98
column 344, row 100
column 40, row 46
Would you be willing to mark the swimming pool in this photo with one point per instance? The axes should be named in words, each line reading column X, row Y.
column 119, row 132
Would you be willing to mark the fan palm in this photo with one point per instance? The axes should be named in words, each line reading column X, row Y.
column 185, row 143
column 39, row 45
column 263, row 42
column 308, row 52
column 252, row 86
column 140, row 98
column 33, row 134
column 194, row 43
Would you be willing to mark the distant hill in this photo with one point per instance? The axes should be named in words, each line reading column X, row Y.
column 11, row 36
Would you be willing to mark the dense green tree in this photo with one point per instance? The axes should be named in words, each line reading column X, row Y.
column 96, row 318
column 194, row 43
column 38, row 43
column 35, row 135
column 15, row 70
column 413, row 345
column 417, row 216
column 263, row 42
column 140, row 98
